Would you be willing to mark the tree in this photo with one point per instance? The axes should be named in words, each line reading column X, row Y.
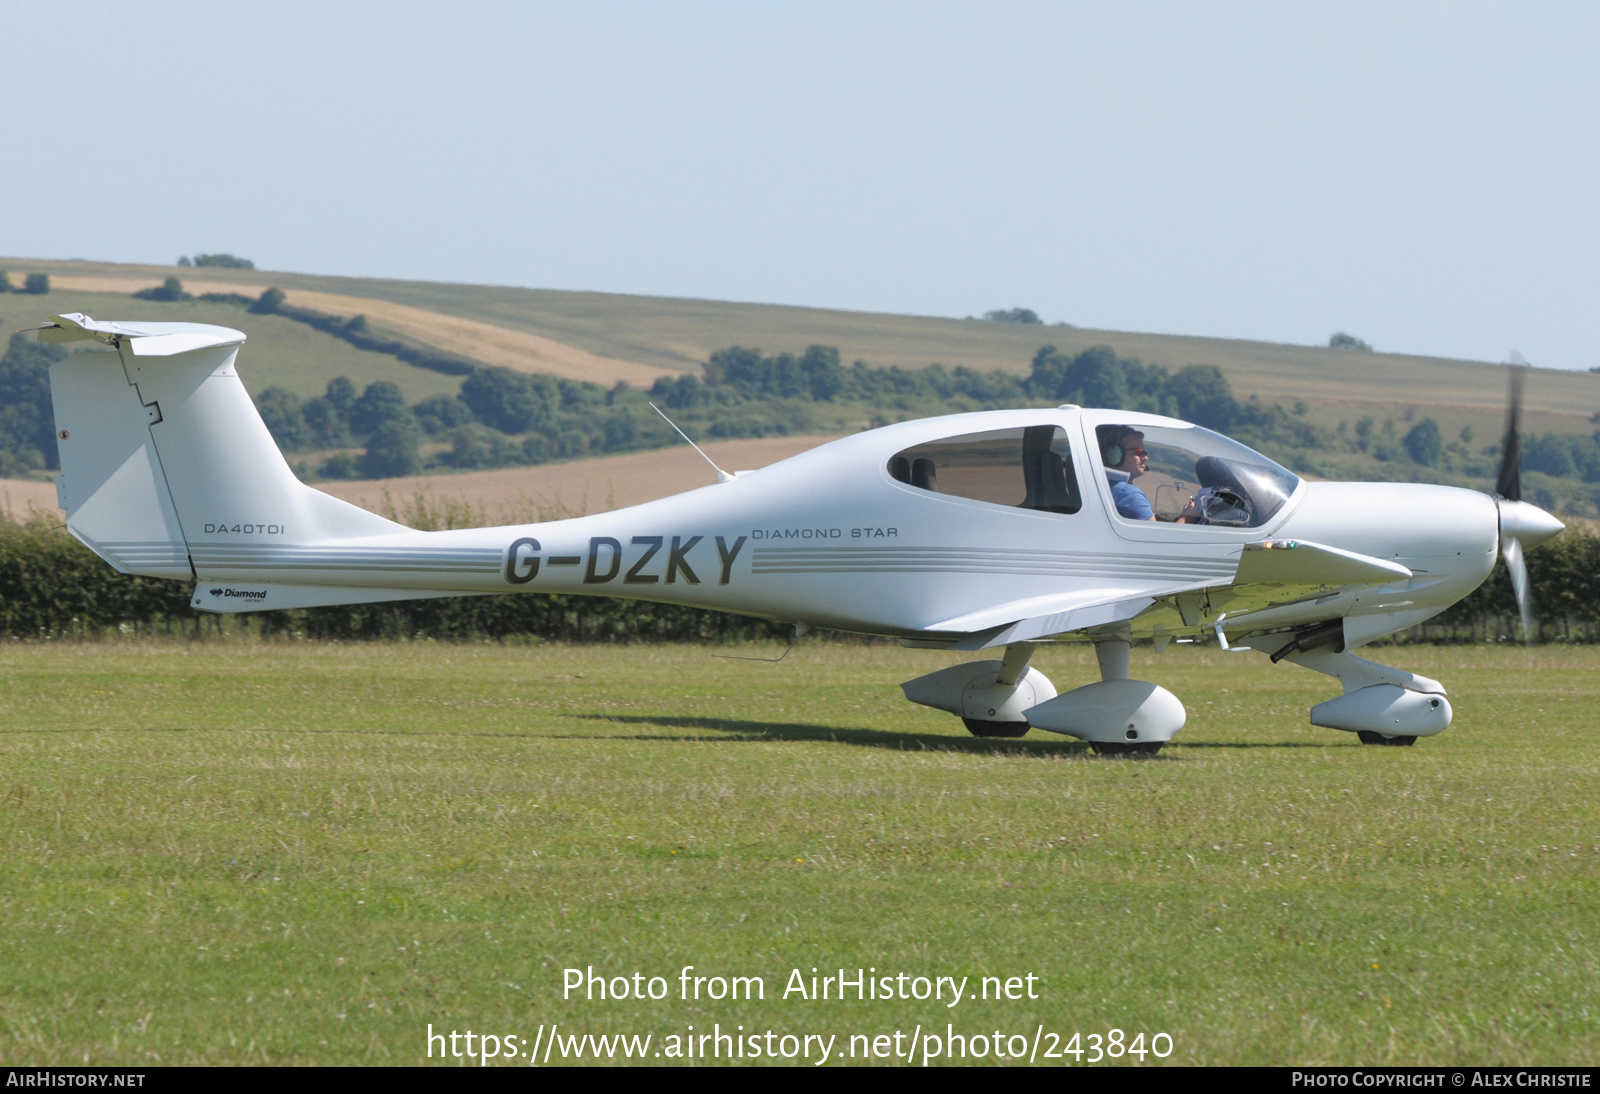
column 232, row 262
column 1551, row 453
column 340, row 465
column 1096, row 378
column 269, row 302
column 325, row 425
column 392, row 449
column 5, row 282
column 680, row 392
column 183, row 260
column 824, row 376
column 1341, row 340
column 341, row 393
column 1204, row 396
column 511, row 402
column 1424, row 443
column 381, row 403
column 1048, row 380
column 1013, row 315
column 38, row 284
column 27, row 414
column 441, row 413
column 170, row 289
column 280, row 410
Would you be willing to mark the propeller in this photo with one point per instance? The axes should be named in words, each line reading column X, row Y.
column 1509, row 484
column 1521, row 525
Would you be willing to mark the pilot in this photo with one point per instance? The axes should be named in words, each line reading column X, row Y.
column 1122, row 449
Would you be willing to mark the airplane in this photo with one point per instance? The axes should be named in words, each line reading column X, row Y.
column 990, row 531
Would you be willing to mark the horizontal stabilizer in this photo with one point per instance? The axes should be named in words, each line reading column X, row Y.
column 142, row 339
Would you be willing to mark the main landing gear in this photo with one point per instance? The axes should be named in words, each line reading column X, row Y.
column 1004, row 699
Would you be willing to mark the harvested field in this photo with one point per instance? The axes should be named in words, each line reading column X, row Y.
column 493, row 345
column 19, row 497
column 486, row 342
column 132, row 285
column 512, row 495
column 520, row 494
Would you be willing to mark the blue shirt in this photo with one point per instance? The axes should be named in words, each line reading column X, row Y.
column 1131, row 501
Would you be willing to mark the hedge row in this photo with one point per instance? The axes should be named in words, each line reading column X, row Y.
column 51, row 586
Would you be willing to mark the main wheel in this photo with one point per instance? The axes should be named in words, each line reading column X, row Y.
column 1368, row 737
column 995, row 729
column 1119, row 748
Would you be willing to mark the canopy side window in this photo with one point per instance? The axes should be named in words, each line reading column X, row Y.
column 1027, row 468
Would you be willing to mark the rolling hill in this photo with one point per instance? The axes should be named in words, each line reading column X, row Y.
column 676, row 335
column 607, row 338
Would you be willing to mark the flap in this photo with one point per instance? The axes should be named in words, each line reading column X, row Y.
column 1031, row 608
column 1043, row 616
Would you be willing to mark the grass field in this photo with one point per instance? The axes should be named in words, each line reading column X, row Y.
column 235, row 851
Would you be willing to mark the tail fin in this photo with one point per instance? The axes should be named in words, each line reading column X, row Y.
column 165, row 462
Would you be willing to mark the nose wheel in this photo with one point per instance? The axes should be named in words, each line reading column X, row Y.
column 1368, row 737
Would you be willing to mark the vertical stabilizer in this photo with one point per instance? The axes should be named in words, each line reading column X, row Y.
column 167, row 468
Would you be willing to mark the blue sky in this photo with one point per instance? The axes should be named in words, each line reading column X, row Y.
column 1422, row 175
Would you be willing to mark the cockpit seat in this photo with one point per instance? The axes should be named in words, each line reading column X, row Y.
column 1046, row 482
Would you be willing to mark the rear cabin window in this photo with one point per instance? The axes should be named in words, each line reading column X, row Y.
column 1027, row 468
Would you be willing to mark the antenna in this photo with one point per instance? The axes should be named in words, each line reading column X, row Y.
column 722, row 476
column 800, row 631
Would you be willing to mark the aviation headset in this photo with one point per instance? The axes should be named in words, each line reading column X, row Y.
column 1111, row 450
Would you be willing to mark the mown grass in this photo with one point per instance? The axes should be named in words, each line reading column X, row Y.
column 242, row 851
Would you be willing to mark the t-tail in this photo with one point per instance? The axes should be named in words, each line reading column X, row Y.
column 167, row 470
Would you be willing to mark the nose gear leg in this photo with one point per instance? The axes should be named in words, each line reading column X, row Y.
column 1381, row 704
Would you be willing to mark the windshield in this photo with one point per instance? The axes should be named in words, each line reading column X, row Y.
column 1190, row 475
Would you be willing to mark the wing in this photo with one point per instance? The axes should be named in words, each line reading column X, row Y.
column 1269, row 574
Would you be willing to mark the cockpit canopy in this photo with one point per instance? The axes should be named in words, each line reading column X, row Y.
column 1193, row 476
column 1229, row 484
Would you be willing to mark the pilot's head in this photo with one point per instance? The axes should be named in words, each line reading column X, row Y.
column 1122, row 449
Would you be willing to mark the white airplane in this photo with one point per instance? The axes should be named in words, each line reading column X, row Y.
column 987, row 531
